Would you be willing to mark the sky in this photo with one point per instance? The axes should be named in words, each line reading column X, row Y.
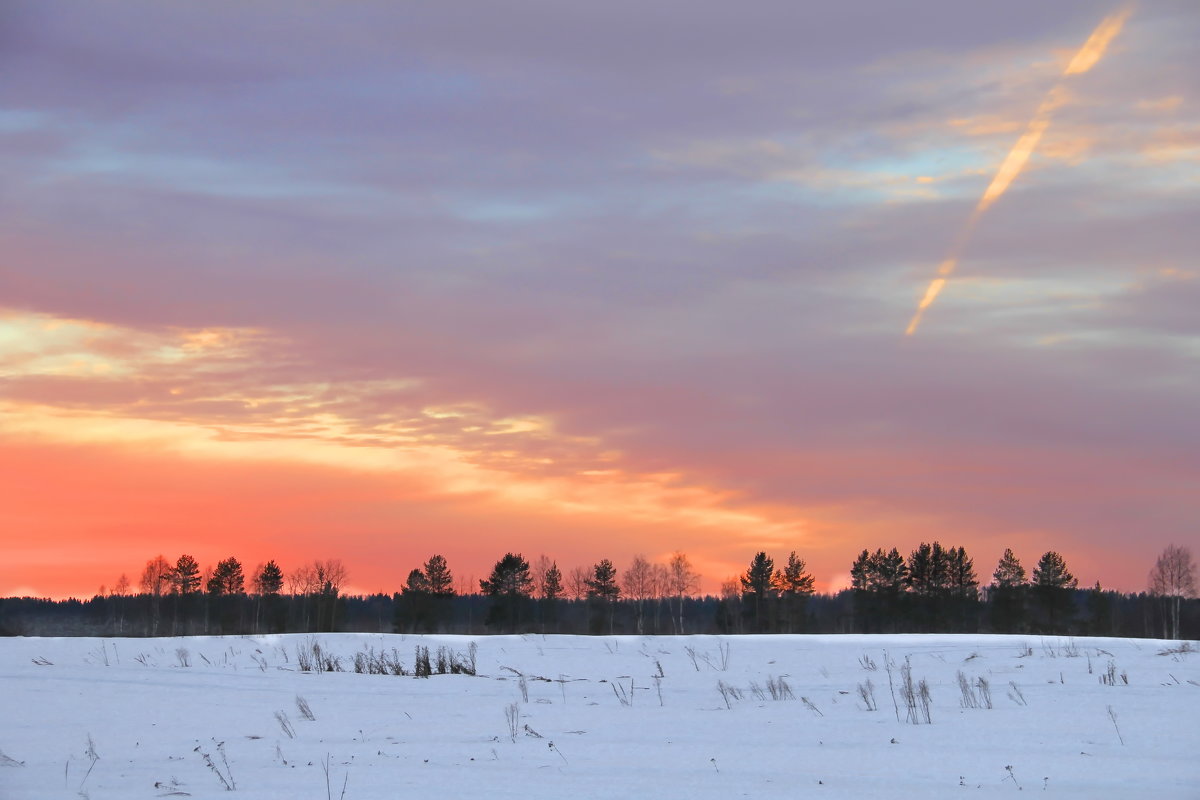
column 373, row 281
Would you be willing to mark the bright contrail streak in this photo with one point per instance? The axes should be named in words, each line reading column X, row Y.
column 1087, row 57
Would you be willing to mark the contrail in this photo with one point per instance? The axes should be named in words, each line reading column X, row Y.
column 1087, row 57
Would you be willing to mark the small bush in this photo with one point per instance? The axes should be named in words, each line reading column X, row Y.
column 443, row 660
column 304, row 658
column 421, row 665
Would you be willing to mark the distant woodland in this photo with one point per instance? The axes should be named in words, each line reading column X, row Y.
column 934, row 589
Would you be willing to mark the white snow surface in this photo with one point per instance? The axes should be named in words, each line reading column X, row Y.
column 1055, row 726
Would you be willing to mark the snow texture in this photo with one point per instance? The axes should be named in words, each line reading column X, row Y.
column 600, row 717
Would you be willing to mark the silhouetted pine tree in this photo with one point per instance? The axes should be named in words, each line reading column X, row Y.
column 963, row 587
column 269, row 609
column 602, row 592
column 412, row 613
column 1052, row 585
column 185, row 577
column 757, row 590
column 550, row 590
column 510, row 586
column 438, row 578
column 794, row 585
column 227, row 578
column 1007, row 595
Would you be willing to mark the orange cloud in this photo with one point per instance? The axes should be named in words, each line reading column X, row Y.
column 1161, row 104
column 1013, row 163
column 1097, row 44
column 518, row 468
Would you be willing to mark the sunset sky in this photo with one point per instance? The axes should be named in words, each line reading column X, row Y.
column 374, row 281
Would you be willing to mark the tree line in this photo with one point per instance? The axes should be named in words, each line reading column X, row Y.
column 933, row 589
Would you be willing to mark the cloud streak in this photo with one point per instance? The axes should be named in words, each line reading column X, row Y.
column 1014, row 163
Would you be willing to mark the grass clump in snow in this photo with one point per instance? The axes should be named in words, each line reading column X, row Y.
column 974, row 694
column 729, row 693
column 1110, row 676
column 866, row 692
column 779, row 689
column 369, row 662
column 226, row 775
column 305, row 710
column 311, row 657
column 915, row 695
column 512, row 716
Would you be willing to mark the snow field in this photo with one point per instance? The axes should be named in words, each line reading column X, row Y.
column 590, row 722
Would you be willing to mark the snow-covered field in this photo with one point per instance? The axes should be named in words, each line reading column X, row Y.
column 620, row 717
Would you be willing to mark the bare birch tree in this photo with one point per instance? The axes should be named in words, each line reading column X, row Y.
column 577, row 582
column 637, row 585
column 1173, row 578
column 682, row 581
